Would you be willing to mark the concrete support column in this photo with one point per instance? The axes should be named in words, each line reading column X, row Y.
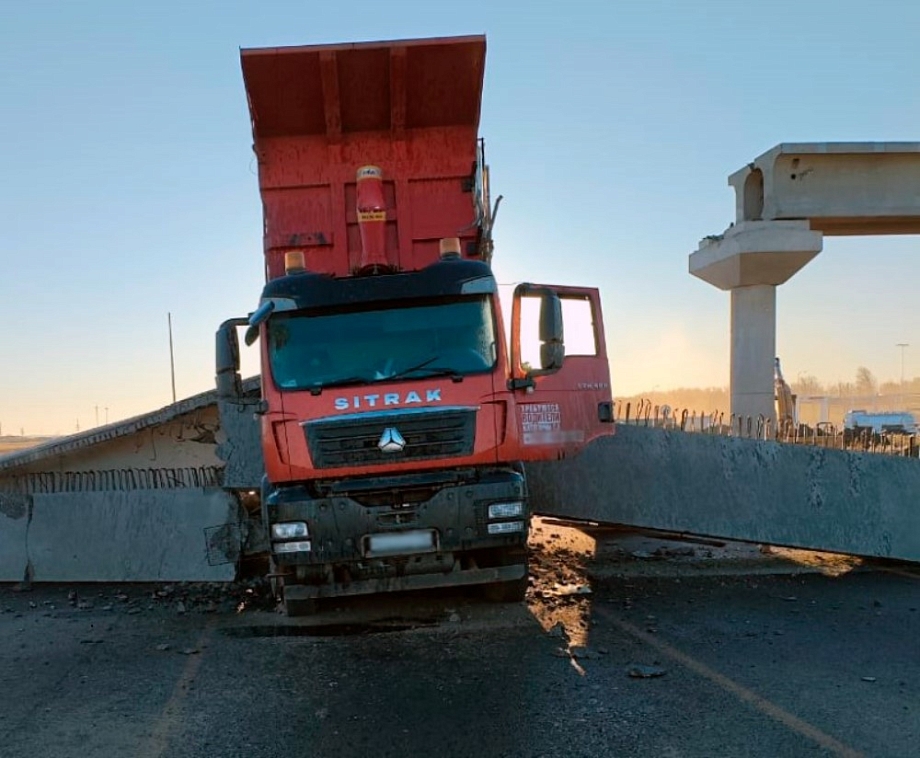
column 749, row 260
column 753, row 347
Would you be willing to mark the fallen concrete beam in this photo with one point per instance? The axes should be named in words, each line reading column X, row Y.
column 763, row 492
column 839, row 187
column 133, row 536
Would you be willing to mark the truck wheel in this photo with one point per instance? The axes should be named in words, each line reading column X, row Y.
column 293, row 606
column 300, row 607
column 275, row 582
column 506, row 592
column 290, row 606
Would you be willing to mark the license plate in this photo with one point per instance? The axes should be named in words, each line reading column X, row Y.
column 401, row 543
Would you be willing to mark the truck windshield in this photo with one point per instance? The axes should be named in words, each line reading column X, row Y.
column 311, row 350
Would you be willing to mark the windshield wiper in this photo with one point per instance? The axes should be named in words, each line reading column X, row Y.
column 426, row 367
column 429, row 370
column 455, row 375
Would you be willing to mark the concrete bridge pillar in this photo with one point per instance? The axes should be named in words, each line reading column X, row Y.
column 753, row 345
column 785, row 202
column 749, row 260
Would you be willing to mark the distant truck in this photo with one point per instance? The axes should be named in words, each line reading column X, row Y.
column 395, row 416
column 880, row 423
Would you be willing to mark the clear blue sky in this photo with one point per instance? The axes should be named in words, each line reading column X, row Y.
column 128, row 185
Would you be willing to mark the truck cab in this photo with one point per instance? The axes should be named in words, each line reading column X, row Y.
column 394, row 413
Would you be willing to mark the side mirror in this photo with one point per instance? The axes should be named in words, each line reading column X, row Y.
column 227, row 359
column 550, row 317
column 552, row 348
column 544, row 328
column 552, row 354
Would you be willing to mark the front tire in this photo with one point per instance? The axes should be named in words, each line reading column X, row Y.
column 514, row 591
column 290, row 606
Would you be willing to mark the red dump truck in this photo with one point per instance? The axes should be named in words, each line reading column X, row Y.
column 395, row 413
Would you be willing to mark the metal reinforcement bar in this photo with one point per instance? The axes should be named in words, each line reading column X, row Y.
column 643, row 413
column 113, row 480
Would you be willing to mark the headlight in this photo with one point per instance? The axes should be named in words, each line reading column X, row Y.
column 506, row 527
column 290, row 530
column 303, row 546
column 506, row 510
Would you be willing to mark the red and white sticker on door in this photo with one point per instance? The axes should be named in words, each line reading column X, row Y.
column 541, row 424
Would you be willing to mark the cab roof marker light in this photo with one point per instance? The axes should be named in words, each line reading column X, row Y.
column 294, row 262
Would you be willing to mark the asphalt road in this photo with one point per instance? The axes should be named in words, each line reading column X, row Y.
column 744, row 665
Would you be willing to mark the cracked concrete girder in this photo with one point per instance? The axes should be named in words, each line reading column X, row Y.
column 794, row 495
column 842, row 188
column 132, row 536
column 755, row 252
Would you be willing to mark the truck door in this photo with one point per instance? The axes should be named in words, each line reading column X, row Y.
column 560, row 374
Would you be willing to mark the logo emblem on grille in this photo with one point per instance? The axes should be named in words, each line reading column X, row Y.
column 391, row 441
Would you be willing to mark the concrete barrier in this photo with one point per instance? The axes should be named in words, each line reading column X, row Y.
column 792, row 495
column 14, row 527
column 133, row 536
column 731, row 488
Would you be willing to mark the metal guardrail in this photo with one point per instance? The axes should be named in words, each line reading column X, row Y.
column 645, row 413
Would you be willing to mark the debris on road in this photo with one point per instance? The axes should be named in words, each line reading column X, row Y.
column 560, row 595
column 641, row 671
column 584, row 653
column 675, row 552
column 566, row 590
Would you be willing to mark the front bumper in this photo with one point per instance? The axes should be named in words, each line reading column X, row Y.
column 342, row 523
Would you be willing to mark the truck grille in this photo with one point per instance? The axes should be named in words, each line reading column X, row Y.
column 354, row 440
